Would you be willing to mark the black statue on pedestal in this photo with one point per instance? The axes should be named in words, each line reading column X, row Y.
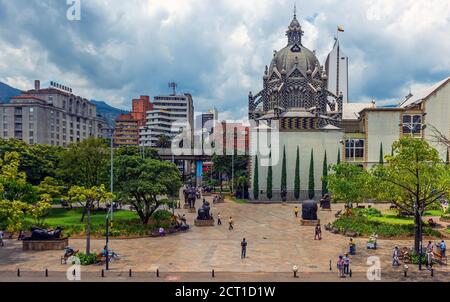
column 42, row 234
column 203, row 212
column 309, row 210
column 325, row 202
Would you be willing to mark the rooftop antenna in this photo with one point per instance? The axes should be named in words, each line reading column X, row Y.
column 174, row 86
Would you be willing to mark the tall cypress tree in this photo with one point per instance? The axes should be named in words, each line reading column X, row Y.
column 447, row 159
column 283, row 171
column 381, row 154
column 325, row 175
column 297, row 176
column 256, row 180
column 339, row 156
column 311, row 185
column 269, row 178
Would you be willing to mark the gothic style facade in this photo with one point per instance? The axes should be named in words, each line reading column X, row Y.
column 295, row 89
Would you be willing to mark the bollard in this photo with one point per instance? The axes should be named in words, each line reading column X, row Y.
column 351, row 273
column 103, row 273
column 46, row 272
column 405, row 273
column 74, row 273
column 157, row 273
column 330, row 266
column 213, row 274
column 129, row 273
column 18, row 272
column 432, row 272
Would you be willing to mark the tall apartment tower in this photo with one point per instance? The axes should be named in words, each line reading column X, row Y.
column 170, row 114
column 337, row 71
column 140, row 107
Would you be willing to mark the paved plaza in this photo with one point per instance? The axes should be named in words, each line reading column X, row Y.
column 276, row 242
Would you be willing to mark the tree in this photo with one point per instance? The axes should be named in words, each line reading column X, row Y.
column 14, row 182
column 325, row 175
column 381, row 154
column 311, row 185
column 86, row 163
column 222, row 165
column 447, row 157
column 37, row 161
column 413, row 179
column 284, row 172
column 39, row 210
column 12, row 212
column 256, row 180
column 241, row 183
column 297, row 176
column 269, row 178
column 339, row 156
column 143, row 183
column 349, row 183
column 51, row 187
column 164, row 142
column 87, row 197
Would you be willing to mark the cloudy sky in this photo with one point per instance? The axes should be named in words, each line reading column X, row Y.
column 217, row 49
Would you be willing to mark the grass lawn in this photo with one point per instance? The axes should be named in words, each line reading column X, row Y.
column 63, row 217
column 393, row 219
column 239, row 201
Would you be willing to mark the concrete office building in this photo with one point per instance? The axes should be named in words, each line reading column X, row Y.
column 171, row 114
column 51, row 116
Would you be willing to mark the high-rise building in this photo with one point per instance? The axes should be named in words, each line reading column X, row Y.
column 140, row 107
column 126, row 131
column 51, row 116
column 337, row 72
column 170, row 115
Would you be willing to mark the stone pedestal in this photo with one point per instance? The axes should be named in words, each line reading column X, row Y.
column 45, row 245
column 204, row 223
column 185, row 206
column 192, row 210
column 309, row 222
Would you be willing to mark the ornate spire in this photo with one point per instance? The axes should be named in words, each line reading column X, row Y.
column 294, row 32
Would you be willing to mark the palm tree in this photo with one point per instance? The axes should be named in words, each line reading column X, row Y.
column 241, row 182
column 163, row 142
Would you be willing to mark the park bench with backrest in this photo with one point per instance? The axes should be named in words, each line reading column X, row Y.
column 67, row 255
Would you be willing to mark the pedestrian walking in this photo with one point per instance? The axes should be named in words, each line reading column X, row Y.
column 340, row 267
column 230, row 222
column 296, row 210
column 443, row 248
column 219, row 221
column 395, row 257
column 1, row 238
column 243, row 249
column 346, row 260
column 318, row 232
column 430, row 257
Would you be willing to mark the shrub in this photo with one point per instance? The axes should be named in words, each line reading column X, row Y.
column 87, row 259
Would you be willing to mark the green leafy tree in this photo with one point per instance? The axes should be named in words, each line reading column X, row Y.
column 86, row 163
column 413, row 179
column 297, row 176
column 311, row 185
column 164, row 142
column 269, row 178
column 12, row 212
column 447, row 157
column 256, row 180
column 241, row 184
column 51, row 186
column 143, row 183
column 87, row 197
column 37, row 161
column 349, row 183
column 381, row 154
column 283, row 171
column 40, row 210
column 325, row 175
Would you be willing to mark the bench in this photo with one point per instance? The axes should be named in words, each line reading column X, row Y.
column 67, row 256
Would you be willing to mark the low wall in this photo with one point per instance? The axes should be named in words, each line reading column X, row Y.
column 45, row 245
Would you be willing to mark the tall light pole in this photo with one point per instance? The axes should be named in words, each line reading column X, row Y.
column 112, row 170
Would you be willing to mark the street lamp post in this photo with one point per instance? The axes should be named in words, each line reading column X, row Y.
column 112, row 169
column 417, row 213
